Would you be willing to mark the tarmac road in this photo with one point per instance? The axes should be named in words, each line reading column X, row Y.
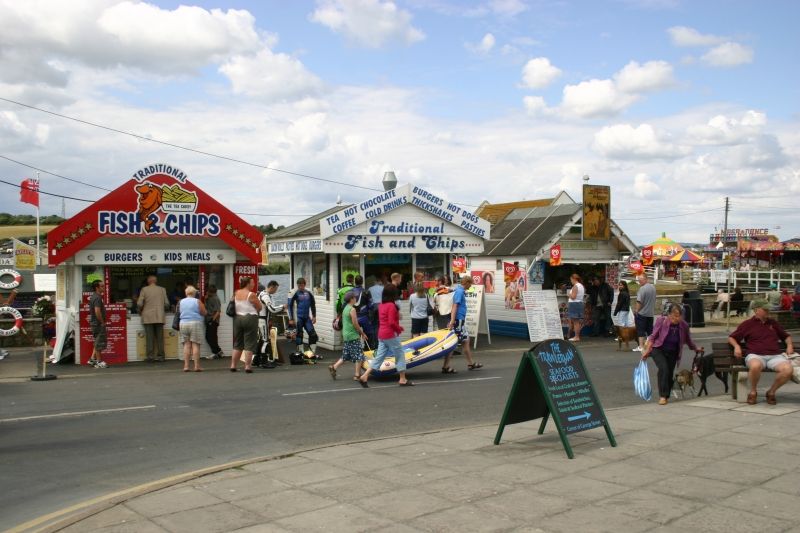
column 155, row 421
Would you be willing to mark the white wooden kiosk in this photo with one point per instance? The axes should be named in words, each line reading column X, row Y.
column 406, row 230
column 156, row 222
column 522, row 235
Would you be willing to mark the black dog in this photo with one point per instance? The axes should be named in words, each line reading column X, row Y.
column 703, row 366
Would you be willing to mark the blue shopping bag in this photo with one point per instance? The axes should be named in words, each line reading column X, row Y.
column 641, row 381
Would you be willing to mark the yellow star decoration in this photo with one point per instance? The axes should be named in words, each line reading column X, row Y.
column 67, row 240
column 81, row 231
column 235, row 232
column 59, row 245
column 74, row 235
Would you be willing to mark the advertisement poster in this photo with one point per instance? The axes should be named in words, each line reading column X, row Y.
column 24, row 256
column 483, row 278
column 542, row 314
column 516, row 280
column 476, row 320
column 536, row 273
column 612, row 274
column 555, row 255
column 241, row 270
column 459, row 265
column 597, row 212
column 117, row 330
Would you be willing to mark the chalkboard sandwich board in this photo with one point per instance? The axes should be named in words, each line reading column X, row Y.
column 552, row 381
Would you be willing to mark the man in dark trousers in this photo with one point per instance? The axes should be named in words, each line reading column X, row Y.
column 152, row 303
column 600, row 297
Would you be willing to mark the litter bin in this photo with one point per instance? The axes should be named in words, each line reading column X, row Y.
column 693, row 311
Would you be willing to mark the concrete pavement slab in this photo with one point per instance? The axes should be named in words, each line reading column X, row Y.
column 171, row 500
column 725, row 437
column 624, row 473
column 463, row 518
column 344, row 517
column 116, row 516
column 308, row 473
column 787, row 483
column 698, row 488
column 767, row 503
column 747, row 475
column 276, row 464
column 518, row 474
column 648, row 504
column 581, row 489
column 413, row 474
column 666, row 461
column 594, row 518
column 403, row 505
column 766, row 409
column 721, row 519
column 284, row 503
column 211, row 519
column 137, row 526
column 468, row 489
column 242, row 487
column 537, row 505
column 349, row 489
column 367, row 460
column 767, row 457
column 705, row 449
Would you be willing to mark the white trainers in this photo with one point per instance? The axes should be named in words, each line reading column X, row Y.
column 101, row 364
column 637, row 349
column 91, row 362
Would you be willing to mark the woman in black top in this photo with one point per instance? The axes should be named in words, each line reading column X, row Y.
column 623, row 304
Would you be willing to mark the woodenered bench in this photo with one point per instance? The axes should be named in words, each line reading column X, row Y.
column 725, row 361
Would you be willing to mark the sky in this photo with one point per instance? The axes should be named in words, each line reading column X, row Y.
column 675, row 104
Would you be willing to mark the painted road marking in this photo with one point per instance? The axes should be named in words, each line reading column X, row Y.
column 394, row 386
column 77, row 413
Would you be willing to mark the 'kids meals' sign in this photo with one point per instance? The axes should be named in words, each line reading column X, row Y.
column 385, row 202
column 158, row 201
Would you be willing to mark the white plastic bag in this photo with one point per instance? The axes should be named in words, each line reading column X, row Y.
column 641, row 381
column 795, row 359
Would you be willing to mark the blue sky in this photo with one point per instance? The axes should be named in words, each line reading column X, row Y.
column 675, row 104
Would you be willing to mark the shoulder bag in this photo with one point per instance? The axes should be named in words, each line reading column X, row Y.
column 231, row 309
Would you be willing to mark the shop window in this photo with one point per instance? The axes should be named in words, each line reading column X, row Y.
column 215, row 275
column 348, row 264
column 382, row 266
column 432, row 266
column 319, row 269
column 125, row 282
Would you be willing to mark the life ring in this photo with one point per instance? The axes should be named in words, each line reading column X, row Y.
column 13, row 273
column 17, row 321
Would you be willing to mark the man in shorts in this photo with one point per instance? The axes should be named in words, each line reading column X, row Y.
column 97, row 319
column 458, row 316
column 762, row 335
column 645, row 310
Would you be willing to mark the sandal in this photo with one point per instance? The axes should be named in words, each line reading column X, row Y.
column 363, row 383
column 408, row 383
column 751, row 397
column 449, row 370
column 332, row 370
column 771, row 398
column 474, row 366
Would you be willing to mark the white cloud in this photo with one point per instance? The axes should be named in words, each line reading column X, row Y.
column 15, row 133
column 270, row 76
column 649, row 77
column 507, row 7
column 535, row 105
column 684, row 36
column 725, row 130
column 595, row 98
column 538, row 73
column 728, row 54
column 644, row 187
column 108, row 34
column 623, row 141
column 370, row 23
column 483, row 47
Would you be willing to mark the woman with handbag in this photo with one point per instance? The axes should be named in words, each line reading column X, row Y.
column 191, row 311
column 669, row 335
column 245, row 324
column 421, row 309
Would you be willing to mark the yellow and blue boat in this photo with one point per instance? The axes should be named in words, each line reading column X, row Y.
column 418, row 351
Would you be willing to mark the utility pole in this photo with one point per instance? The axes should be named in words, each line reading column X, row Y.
column 730, row 266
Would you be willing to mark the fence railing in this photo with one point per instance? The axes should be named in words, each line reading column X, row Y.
column 758, row 280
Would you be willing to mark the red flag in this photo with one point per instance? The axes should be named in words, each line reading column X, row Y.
column 647, row 255
column 29, row 191
column 555, row 255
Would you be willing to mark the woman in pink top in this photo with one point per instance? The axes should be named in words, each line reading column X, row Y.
column 388, row 338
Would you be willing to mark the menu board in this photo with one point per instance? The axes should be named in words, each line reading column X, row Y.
column 541, row 312
column 476, row 320
column 116, row 351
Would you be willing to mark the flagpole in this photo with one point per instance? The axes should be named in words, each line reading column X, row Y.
column 38, row 259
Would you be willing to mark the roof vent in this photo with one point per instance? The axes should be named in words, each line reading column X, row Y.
column 389, row 181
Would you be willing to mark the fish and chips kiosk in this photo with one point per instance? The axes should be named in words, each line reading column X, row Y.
column 157, row 222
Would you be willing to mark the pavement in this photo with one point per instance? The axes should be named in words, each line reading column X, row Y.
column 699, row 464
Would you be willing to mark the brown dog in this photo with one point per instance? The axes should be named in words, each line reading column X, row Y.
column 626, row 335
column 684, row 379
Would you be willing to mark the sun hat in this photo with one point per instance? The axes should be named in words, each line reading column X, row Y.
column 761, row 304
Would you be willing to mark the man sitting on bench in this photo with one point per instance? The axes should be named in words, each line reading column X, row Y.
column 763, row 335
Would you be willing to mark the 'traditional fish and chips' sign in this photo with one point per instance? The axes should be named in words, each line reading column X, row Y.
column 160, row 202
column 384, row 231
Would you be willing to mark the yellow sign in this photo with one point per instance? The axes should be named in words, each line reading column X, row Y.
column 24, row 256
column 597, row 212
